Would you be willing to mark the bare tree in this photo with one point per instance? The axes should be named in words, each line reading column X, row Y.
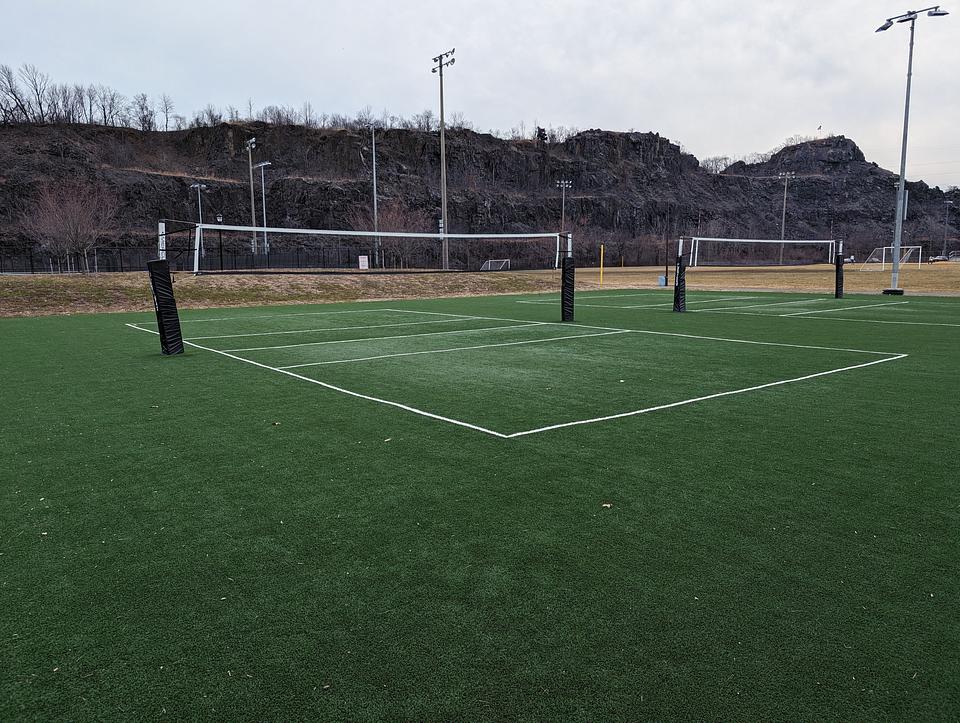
column 716, row 164
column 166, row 108
column 70, row 218
column 37, row 83
column 143, row 112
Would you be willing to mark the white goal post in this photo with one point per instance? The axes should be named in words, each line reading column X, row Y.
column 826, row 249
column 496, row 265
column 882, row 256
column 562, row 245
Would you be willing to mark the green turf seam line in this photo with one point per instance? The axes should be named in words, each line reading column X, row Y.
column 703, row 398
column 396, row 336
column 457, row 348
column 334, row 388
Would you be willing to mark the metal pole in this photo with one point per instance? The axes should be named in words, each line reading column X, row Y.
column 445, row 250
column 901, row 186
column 200, row 214
column 783, row 216
column 377, row 260
column 263, row 197
column 563, row 206
column 251, row 144
column 946, row 218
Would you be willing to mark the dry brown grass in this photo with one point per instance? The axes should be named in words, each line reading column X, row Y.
column 67, row 294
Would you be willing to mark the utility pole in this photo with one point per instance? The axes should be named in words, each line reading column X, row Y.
column 908, row 17
column 563, row 185
column 442, row 60
column 786, row 176
column 946, row 218
column 251, row 144
column 263, row 201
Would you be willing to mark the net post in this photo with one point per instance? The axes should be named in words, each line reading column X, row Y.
column 838, row 283
column 566, row 288
column 680, row 281
column 164, row 303
column 162, row 240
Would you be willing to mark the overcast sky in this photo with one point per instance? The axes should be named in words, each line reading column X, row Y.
column 721, row 77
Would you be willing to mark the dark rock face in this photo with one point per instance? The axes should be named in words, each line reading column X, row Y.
column 632, row 191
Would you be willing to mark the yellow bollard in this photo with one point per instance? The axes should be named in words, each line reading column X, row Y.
column 601, row 264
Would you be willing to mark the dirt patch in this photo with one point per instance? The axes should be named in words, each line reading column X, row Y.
column 34, row 295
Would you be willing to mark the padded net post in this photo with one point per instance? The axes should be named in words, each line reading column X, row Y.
column 680, row 282
column 838, row 284
column 168, row 321
column 566, row 288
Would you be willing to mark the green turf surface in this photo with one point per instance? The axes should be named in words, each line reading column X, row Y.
column 198, row 536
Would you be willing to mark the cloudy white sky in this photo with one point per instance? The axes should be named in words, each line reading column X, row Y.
column 721, row 77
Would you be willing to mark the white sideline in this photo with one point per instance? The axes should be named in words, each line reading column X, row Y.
column 395, row 336
column 668, row 303
column 271, row 316
column 334, row 388
column 775, row 303
column 701, row 399
column 328, row 328
column 838, row 318
column 645, row 306
column 457, row 348
column 844, row 308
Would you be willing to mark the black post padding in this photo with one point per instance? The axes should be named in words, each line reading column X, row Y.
column 566, row 289
column 168, row 321
column 838, row 287
column 680, row 286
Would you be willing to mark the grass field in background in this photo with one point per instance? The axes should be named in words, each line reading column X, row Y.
column 463, row 509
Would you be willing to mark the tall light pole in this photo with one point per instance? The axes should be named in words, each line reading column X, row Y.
column 946, row 218
column 563, row 185
column 263, row 201
column 251, row 144
column 200, row 187
column 220, row 232
column 786, row 176
column 441, row 61
column 908, row 17
column 376, row 220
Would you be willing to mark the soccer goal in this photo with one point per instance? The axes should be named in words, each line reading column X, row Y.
column 882, row 257
column 496, row 265
column 215, row 248
column 704, row 251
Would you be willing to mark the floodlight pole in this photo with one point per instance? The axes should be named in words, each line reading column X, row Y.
column 263, row 202
column 200, row 187
column 251, row 144
column 946, row 218
column 220, row 232
column 376, row 221
column 442, row 60
column 910, row 17
column 786, row 176
column 563, row 185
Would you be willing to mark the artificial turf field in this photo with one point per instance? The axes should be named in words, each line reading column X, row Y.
column 461, row 509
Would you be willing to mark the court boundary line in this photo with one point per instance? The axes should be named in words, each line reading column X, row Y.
column 312, row 331
column 888, row 357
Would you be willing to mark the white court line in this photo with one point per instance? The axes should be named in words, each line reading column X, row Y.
column 396, row 336
column 775, row 303
column 328, row 328
column 701, row 399
column 645, row 306
column 442, row 351
column 837, row 318
column 334, row 388
column 271, row 316
column 845, row 308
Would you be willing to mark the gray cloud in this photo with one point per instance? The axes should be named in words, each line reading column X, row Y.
column 722, row 77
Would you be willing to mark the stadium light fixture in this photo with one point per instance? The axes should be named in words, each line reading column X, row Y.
column 908, row 17
column 251, row 144
column 443, row 60
column 563, row 185
column 263, row 202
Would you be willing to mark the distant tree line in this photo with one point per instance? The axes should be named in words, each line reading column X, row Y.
column 28, row 95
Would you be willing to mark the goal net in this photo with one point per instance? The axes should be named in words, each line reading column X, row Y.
column 882, row 257
column 214, row 248
column 705, row 251
column 496, row 265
